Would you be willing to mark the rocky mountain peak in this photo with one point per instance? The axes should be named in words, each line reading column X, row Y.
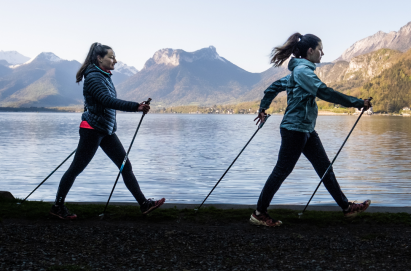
column 13, row 57
column 400, row 41
column 44, row 57
column 48, row 56
column 406, row 27
column 123, row 68
column 174, row 57
column 359, row 69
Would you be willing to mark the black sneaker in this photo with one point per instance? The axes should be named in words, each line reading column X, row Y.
column 62, row 212
column 150, row 205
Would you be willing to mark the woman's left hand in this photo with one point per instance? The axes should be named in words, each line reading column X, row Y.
column 260, row 118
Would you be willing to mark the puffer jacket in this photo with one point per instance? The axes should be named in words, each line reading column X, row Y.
column 100, row 101
column 302, row 87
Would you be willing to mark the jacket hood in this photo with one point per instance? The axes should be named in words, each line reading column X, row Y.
column 294, row 62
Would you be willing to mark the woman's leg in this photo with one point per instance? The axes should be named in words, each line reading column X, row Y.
column 292, row 144
column 112, row 146
column 315, row 153
column 87, row 147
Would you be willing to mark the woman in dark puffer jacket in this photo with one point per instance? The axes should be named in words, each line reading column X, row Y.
column 98, row 128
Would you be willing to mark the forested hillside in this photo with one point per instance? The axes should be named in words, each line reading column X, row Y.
column 392, row 88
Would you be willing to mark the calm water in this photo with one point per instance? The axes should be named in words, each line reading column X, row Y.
column 181, row 157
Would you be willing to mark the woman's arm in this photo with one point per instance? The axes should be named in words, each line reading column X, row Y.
column 310, row 82
column 269, row 94
column 272, row 91
column 101, row 93
column 328, row 94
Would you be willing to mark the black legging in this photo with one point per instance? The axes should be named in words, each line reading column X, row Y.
column 89, row 142
column 294, row 143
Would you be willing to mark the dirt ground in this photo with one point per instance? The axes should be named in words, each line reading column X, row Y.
column 192, row 245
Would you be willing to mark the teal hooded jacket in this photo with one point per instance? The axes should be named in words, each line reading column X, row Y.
column 302, row 87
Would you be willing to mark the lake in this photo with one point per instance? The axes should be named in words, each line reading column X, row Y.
column 181, row 157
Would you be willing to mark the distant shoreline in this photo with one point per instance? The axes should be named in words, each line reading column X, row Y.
column 33, row 109
column 73, row 110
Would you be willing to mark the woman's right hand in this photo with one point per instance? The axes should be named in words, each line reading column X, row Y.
column 367, row 104
column 260, row 118
column 143, row 108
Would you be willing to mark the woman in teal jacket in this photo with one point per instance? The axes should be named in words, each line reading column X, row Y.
column 297, row 127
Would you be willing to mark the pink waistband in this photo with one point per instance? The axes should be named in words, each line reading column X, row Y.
column 84, row 124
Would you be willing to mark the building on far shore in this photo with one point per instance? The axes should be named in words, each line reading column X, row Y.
column 368, row 112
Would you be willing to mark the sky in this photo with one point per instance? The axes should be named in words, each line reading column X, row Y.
column 244, row 32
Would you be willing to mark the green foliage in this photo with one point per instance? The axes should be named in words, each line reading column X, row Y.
column 391, row 90
column 40, row 211
column 277, row 106
column 240, row 108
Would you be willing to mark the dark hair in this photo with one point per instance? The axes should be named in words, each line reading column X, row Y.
column 96, row 49
column 296, row 45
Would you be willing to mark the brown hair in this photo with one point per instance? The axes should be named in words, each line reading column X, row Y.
column 96, row 49
column 296, row 45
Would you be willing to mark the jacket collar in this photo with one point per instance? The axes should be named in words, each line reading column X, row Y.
column 103, row 71
column 93, row 68
column 294, row 62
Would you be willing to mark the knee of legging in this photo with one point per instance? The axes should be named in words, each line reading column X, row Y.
column 282, row 170
column 127, row 166
column 72, row 173
column 330, row 175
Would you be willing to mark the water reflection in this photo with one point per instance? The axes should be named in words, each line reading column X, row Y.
column 181, row 157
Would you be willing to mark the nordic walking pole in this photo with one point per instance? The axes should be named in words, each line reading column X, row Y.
column 259, row 127
column 330, row 166
column 125, row 159
column 48, row 176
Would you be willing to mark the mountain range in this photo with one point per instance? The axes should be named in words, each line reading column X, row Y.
column 46, row 81
column 203, row 77
column 175, row 77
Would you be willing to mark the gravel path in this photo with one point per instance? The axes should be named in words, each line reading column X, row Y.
column 185, row 245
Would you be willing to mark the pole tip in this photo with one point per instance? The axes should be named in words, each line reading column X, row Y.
column 299, row 215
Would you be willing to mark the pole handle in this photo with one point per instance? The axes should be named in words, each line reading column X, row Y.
column 148, row 101
column 369, row 99
column 263, row 122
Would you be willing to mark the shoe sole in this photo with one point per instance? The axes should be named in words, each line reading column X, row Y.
column 352, row 215
column 154, row 207
column 66, row 218
column 257, row 222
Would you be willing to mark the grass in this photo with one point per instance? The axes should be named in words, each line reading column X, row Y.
column 38, row 210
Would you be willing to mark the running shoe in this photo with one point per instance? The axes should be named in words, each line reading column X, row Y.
column 356, row 208
column 62, row 212
column 150, row 205
column 264, row 219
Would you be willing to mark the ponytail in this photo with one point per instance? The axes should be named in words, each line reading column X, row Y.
column 96, row 49
column 296, row 45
